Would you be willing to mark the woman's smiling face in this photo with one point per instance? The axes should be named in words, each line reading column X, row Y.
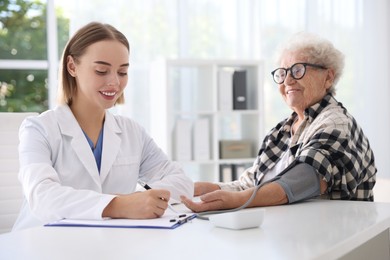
column 101, row 74
column 303, row 93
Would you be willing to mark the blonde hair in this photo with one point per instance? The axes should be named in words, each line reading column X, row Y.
column 76, row 47
column 316, row 50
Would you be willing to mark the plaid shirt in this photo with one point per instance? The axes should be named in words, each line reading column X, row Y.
column 331, row 141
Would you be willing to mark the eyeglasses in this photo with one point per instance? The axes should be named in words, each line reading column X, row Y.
column 298, row 70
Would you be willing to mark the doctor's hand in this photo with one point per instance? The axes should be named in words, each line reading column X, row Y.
column 217, row 200
column 138, row 205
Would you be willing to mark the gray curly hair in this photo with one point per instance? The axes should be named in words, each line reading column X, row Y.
column 316, row 50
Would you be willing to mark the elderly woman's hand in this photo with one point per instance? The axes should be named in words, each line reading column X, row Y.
column 217, row 200
column 201, row 188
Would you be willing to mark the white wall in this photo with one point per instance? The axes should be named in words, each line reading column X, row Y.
column 374, row 94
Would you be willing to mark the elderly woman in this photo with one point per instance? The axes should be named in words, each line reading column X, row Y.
column 319, row 150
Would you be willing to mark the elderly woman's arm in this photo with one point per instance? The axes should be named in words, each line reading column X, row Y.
column 269, row 194
column 299, row 183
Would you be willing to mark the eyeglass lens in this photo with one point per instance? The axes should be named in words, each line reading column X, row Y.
column 297, row 72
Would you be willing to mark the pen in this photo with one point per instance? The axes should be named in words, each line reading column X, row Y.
column 147, row 187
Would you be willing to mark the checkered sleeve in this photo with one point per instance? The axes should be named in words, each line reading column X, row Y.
column 245, row 181
column 345, row 162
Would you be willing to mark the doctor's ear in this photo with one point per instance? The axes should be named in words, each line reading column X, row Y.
column 71, row 66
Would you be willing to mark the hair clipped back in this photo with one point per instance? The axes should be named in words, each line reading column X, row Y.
column 76, row 47
column 316, row 50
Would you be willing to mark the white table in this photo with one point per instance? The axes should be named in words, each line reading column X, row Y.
column 316, row 229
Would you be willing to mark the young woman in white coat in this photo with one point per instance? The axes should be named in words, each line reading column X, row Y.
column 79, row 160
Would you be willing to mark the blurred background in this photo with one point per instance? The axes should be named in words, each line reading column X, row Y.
column 34, row 33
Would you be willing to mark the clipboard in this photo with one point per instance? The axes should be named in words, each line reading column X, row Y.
column 167, row 221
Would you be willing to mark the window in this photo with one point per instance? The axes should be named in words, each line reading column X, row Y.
column 26, row 52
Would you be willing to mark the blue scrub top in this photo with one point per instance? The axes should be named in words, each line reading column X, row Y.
column 97, row 151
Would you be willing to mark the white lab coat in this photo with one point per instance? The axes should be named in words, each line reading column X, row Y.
column 60, row 177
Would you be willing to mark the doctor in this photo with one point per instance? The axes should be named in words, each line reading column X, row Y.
column 79, row 160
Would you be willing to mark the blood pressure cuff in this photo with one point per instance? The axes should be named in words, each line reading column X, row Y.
column 300, row 182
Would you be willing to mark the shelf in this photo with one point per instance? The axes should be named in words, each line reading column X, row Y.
column 187, row 95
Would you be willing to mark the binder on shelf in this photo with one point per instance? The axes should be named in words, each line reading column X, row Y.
column 238, row 169
column 239, row 90
column 225, row 89
column 183, row 140
column 233, row 149
column 225, row 173
column 201, row 139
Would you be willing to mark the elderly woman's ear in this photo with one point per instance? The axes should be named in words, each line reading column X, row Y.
column 329, row 79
